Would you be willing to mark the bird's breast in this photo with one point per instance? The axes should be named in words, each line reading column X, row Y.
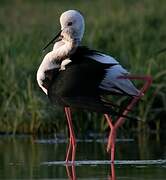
column 79, row 79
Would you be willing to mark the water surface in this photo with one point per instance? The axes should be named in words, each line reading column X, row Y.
column 25, row 157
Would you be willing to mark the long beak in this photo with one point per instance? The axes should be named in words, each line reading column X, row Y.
column 53, row 40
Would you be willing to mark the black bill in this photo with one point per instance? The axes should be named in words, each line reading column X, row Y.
column 52, row 40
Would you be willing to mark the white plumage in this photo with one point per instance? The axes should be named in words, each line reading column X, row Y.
column 72, row 30
column 103, row 58
column 47, row 64
column 111, row 81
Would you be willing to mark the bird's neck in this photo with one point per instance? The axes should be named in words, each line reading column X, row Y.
column 70, row 41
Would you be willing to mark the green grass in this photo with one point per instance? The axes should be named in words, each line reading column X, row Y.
column 130, row 30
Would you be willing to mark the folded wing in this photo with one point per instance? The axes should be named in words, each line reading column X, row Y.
column 111, row 81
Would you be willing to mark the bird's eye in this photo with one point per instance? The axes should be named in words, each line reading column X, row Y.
column 69, row 23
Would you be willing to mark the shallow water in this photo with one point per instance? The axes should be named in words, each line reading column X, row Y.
column 24, row 157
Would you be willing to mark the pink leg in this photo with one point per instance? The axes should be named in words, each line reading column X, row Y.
column 111, row 138
column 72, row 143
column 68, row 150
column 148, row 81
column 120, row 120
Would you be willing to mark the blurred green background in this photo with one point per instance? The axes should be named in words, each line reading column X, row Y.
column 132, row 31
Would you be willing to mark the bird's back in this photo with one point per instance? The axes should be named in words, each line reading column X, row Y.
column 80, row 84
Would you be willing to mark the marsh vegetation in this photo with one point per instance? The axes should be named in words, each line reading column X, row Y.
column 131, row 31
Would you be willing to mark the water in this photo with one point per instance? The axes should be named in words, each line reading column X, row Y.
column 24, row 157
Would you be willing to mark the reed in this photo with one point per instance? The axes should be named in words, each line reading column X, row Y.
column 131, row 31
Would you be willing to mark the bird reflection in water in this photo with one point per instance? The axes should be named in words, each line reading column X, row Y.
column 71, row 172
column 112, row 175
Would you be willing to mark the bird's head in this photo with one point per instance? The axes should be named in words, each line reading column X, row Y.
column 72, row 25
column 72, row 22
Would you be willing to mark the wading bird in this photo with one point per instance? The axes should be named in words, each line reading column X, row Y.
column 87, row 78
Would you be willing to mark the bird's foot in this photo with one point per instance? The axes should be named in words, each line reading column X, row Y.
column 62, row 68
column 64, row 63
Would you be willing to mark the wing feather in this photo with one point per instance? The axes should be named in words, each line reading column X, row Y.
column 111, row 81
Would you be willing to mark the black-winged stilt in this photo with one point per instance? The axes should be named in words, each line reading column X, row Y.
column 86, row 79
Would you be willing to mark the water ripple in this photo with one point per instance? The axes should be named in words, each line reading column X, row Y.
column 58, row 140
column 105, row 162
